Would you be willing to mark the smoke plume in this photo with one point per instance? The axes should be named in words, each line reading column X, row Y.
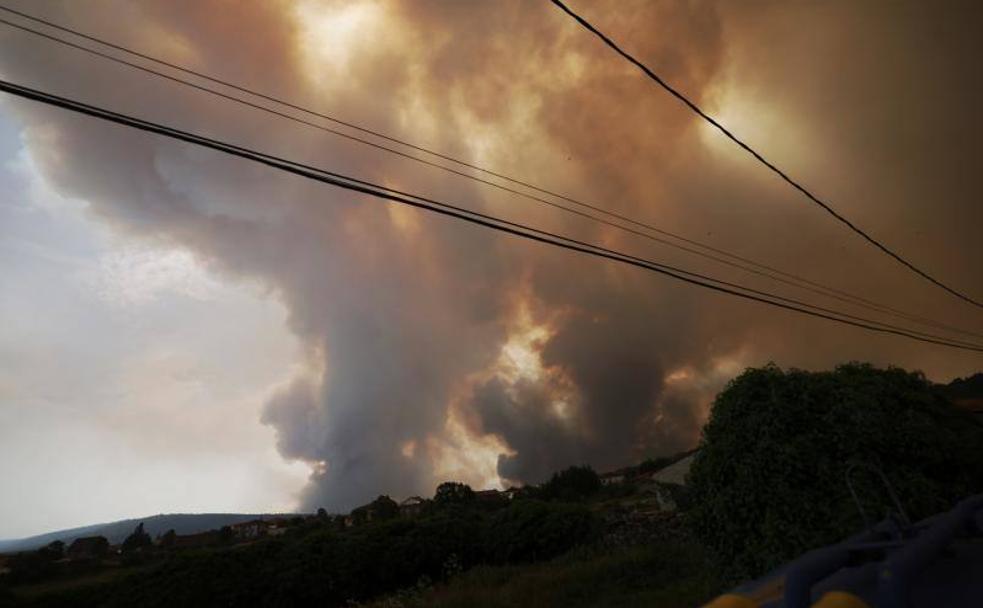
column 436, row 348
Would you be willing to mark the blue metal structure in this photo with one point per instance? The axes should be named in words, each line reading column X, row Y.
column 935, row 563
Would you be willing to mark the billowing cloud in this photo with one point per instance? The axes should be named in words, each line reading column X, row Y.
column 429, row 342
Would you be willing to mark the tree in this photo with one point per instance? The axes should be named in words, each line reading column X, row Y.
column 384, row 508
column 769, row 480
column 53, row 551
column 452, row 492
column 137, row 540
column 573, row 483
column 531, row 530
column 29, row 567
column 225, row 535
column 168, row 539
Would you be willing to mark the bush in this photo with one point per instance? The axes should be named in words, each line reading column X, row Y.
column 136, row 541
column 669, row 574
column 452, row 492
column 53, row 551
column 530, row 530
column 322, row 565
column 7, row 597
column 769, row 480
column 380, row 509
column 30, row 567
column 573, row 483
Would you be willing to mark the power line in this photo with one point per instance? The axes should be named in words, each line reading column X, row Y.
column 756, row 268
column 812, row 197
column 473, row 217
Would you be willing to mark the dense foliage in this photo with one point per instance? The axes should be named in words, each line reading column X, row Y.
column 321, row 564
column 138, row 540
column 453, row 492
column 531, row 530
column 666, row 575
column 29, row 567
column 380, row 509
column 573, row 483
column 769, row 481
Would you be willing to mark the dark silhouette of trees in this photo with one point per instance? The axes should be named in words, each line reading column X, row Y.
column 531, row 530
column 225, row 535
column 30, row 567
column 380, row 509
column 137, row 540
column 90, row 547
column 322, row 566
column 572, row 483
column 769, row 480
column 384, row 508
column 453, row 492
column 53, row 551
column 168, row 539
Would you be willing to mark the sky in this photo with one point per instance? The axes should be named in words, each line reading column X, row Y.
column 186, row 332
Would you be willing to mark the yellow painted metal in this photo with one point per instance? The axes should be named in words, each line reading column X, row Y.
column 730, row 600
column 840, row 599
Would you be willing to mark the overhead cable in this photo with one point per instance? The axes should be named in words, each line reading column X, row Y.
column 472, row 217
column 760, row 158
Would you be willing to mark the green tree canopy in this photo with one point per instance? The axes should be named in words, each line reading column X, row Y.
column 384, row 508
column 53, row 551
column 452, row 492
column 139, row 539
column 572, row 483
column 168, row 539
column 769, row 480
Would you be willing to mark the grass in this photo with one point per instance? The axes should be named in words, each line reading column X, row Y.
column 669, row 575
column 60, row 585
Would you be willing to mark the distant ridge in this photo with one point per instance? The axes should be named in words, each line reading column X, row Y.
column 966, row 393
column 182, row 523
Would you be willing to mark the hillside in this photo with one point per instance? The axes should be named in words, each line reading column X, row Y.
column 115, row 532
column 635, row 536
column 572, row 528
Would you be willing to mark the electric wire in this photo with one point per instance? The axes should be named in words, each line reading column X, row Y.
column 756, row 267
column 785, row 177
column 473, row 217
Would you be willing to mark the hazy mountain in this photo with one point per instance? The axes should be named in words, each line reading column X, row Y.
column 968, row 392
column 182, row 523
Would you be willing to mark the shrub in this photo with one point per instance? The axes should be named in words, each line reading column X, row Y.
column 138, row 540
column 530, row 530
column 452, row 492
column 769, row 480
column 573, row 483
column 30, row 567
column 53, row 551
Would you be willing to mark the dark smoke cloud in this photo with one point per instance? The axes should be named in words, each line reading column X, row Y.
column 404, row 316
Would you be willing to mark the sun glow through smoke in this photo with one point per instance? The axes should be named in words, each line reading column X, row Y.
column 329, row 37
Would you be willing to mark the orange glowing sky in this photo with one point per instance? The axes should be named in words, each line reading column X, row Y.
column 184, row 332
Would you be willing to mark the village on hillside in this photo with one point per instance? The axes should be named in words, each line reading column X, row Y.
column 654, row 487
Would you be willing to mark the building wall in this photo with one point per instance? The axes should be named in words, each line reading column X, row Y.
column 675, row 473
